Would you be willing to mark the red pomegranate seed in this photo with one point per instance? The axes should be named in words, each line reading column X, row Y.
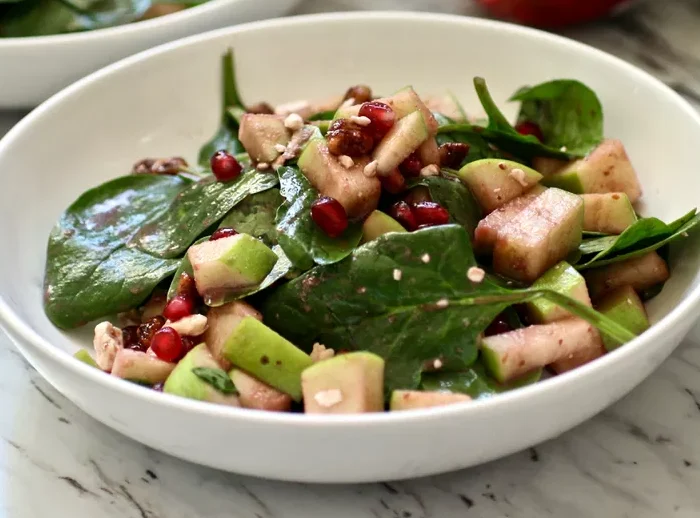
column 130, row 337
column 430, row 213
column 222, row 233
column 381, row 117
column 178, row 307
column 498, row 326
column 401, row 212
column 529, row 128
column 225, row 166
column 186, row 287
column 411, row 167
column 394, row 182
column 167, row 344
column 148, row 329
column 330, row 215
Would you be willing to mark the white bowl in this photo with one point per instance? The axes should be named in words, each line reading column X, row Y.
column 165, row 101
column 33, row 69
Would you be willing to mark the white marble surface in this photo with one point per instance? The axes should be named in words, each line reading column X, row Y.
column 640, row 458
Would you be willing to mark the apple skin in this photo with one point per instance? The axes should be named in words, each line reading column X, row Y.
column 552, row 13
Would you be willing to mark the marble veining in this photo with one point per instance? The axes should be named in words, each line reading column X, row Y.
column 640, row 458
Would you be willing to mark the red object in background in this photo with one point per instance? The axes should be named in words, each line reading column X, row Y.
column 551, row 13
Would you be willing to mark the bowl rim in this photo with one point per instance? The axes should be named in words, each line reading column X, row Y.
column 116, row 31
column 18, row 330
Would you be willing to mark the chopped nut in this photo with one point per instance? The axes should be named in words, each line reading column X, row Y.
column 344, row 137
column 293, row 122
column 361, row 120
column 563, row 149
column 442, row 303
column 328, row 398
column 108, row 341
column 261, row 108
column 358, row 94
column 519, row 176
column 370, row 169
column 397, row 274
column 350, row 101
column 476, row 274
column 320, row 353
column 262, row 166
column 430, row 170
column 425, row 258
column 361, row 290
column 280, row 148
column 437, row 364
column 346, row 161
column 169, row 166
column 193, row 325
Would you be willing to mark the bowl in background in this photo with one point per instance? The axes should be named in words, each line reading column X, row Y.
column 165, row 102
column 34, row 68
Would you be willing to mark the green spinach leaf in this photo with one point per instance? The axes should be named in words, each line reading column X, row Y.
column 474, row 382
column 217, row 378
column 196, row 209
column 567, row 111
column 432, row 311
column 256, row 216
column 226, row 137
column 302, row 240
column 38, row 18
column 90, row 272
column 642, row 237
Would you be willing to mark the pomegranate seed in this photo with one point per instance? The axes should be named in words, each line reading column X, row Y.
column 401, row 212
column 452, row 154
column 225, row 166
column 158, row 387
column 167, row 344
column 222, row 233
column 186, row 287
column 330, row 215
column 130, row 337
column 178, row 307
column 498, row 326
column 411, row 167
column 430, row 213
column 189, row 343
column 394, row 182
column 148, row 329
column 381, row 117
column 529, row 128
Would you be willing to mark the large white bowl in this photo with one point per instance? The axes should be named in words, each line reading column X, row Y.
column 32, row 69
column 165, row 101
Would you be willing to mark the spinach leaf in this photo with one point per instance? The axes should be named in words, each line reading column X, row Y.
column 90, row 270
column 474, row 382
column 642, row 237
column 302, row 240
column 504, row 136
column 567, row 111
column 256, row 216
column 227, row 136
column 217, row 378
column 99, row 14
column 433, row 311
column 196, row 209
column 451, row 193
column 38, row 18
column 322, row 116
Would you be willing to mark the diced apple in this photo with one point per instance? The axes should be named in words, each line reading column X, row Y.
column 547, row 166
column 253, row 393
column 414, row 399
column 624, row 306
column 407, row 101
column 562, row 278
column 640, row 273
column 404, row 138
column 429, row 152
column 544, row 233
column 259, row 135
column 585, row 355
column 141, row 367
column 445, row 105
column 610, row 213
column 221, row 323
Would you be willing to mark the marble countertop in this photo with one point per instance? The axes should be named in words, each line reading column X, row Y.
column 640, row 458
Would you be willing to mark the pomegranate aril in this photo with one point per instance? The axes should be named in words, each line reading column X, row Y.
column 411, row 167
column 498, row 326
column 452, row 154
column 225, row 166
column 178, row 307
column 394, row 182
column 186, row 287
column 189, row 343
column 401, row 212
column 222, row 233
column 130, row 338
column 167, row 344
column 529, row 128
column 148, row 329
column 382, row 117
column 329, row 215
column 430, row 213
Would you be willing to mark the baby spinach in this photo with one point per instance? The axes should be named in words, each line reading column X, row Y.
column 432, row 311
column 567, row 111
column 474, row 382
column 37, row 18
column 226, row 137
column 302, row 240
column 217, row 378
column 642, row 237
column 256, row 216
column 196, row 209
column 90, row 270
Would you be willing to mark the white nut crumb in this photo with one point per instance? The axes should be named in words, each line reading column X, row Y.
column 293, row 122
column 346, row 161
column 425, row 258
column 108, row 341
column 476, row 274
column 361, row 290
column 262, row 166
column 328, row 398
column 519, row 176
column 193, row 325
column 397, row 274
column 563, row 149
column 442, row 303
column 320, row 353
column 497, row 189
column 348, row 102
column 361, row 120
column 280, row 148
column 370, row 169
column 437, row 364
column 430, row 170
column 466, row 322
column 684, row 234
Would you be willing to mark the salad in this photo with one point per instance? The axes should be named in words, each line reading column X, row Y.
column 22, row 18
column 364, row 253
